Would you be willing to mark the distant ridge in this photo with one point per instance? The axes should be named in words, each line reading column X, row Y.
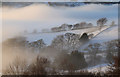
column 68, row 4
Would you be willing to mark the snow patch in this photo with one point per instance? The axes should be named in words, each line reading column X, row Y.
column 102, row 68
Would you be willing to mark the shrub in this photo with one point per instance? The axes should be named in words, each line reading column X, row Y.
column 18, row 67
column 71, row 62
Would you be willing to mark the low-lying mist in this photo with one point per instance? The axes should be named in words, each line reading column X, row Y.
column 13, row 49
column 40, row 16
column 17, row 51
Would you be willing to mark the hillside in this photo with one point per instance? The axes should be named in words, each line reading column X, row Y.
column 67, row 4
column 104, row 36
column 49, row 37
column 109, row 34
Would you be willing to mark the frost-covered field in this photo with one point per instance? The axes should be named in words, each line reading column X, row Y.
column 101, row 68
column 49, row 37
column 106, row 35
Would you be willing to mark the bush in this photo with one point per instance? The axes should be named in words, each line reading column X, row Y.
column 38, row 67
column 70, row 62
column 78, row 60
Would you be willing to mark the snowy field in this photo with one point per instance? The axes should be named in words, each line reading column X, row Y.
column 49, row 37
column 109, row 34
column 102, row 68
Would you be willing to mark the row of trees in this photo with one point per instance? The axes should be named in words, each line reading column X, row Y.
column 69, row 41
column 64, row 27
column 42, row 66
column 64, row 61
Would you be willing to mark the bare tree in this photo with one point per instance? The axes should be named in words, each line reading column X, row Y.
column 38, row 67
column 93, row 50
column 18, row 67
column 101, row 22
column 69, row 41
column 111, row 50
column 22, row 67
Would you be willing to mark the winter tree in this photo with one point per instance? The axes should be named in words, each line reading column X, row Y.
column 69, row 41
column 111, row 50
column 58, row 42
column 73, row 61
column 93, row 50
column 101, row 22
column 37, row 44
column 78, row 60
